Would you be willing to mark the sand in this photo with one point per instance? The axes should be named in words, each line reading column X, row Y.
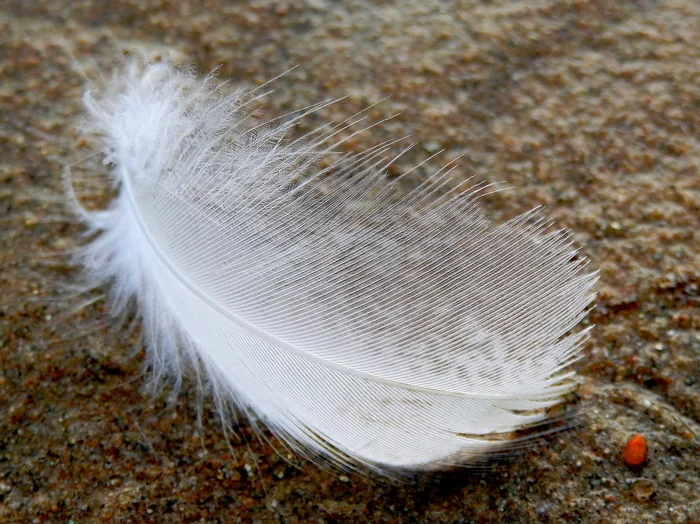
column 590, row 108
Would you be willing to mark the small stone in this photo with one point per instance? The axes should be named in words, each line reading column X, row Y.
column 431, row 147
column 115, row 480
column 635, row 454
column 642, row 489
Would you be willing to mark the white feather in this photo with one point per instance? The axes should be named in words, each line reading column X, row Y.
column 391, row 333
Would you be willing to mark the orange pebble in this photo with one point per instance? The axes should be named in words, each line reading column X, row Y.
column 636, row 451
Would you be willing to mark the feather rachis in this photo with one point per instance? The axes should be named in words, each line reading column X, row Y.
column 380, row 330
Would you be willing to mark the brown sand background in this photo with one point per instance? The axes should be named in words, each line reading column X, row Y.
column 590, row 107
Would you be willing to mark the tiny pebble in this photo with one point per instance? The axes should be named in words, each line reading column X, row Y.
column 642, row 489
column 635, row 451
column 431, row 147
column 115, row 481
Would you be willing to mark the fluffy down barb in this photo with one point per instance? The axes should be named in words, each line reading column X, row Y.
column 372, row 330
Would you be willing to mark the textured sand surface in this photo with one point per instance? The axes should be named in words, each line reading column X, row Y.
column 589, row 107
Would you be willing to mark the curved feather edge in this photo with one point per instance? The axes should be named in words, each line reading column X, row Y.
column 372, row 330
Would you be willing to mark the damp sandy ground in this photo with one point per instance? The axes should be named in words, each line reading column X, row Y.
column 590, row 108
